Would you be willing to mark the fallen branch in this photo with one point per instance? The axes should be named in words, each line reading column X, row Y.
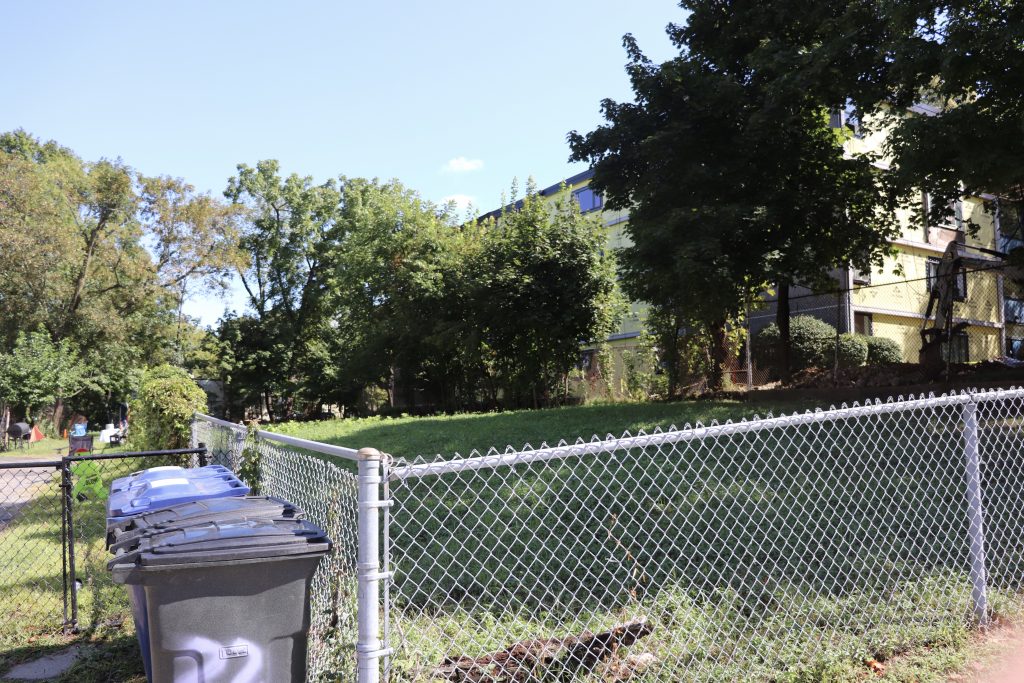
column 548, row 659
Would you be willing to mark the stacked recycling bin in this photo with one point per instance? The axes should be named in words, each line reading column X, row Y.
column 218, row 580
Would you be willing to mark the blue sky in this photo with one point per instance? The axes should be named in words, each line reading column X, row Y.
column 452, row 97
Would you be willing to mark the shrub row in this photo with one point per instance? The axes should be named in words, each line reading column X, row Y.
column 813, row 344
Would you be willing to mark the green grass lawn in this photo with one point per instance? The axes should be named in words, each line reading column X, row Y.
column 409, row 437
column 51, row 448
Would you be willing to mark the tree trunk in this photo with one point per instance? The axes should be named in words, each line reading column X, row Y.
column 83, row 275
column 782, row 322
column 58, row 415
column 718, row 351
column 670, row 342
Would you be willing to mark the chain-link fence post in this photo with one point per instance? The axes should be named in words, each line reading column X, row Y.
column 975, row 513
column 237, row 448
column 193, row 439
column 369, row 648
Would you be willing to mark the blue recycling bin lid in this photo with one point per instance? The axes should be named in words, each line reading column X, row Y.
column 160, row 493
column 167, row 472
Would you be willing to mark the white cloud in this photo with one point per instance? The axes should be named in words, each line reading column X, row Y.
column 462, row 201
column 462, row 165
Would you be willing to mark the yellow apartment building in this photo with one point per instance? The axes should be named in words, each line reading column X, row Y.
column 891, row 301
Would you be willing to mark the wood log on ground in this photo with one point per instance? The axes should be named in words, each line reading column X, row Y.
column 543, row 660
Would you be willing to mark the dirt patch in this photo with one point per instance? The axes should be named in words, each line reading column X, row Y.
column 999, row 658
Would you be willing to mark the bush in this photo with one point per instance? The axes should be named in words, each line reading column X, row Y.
column 853, row 350
column 883, row 351
column 812, row 343
column 162, row 414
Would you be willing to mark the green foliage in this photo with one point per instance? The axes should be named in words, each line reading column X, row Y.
column 732, row 182
column 883, row 351
column 813, row 344
column 643, row 379
column 852, row 350
column 101, row 258
column 38, row 371
column 363, row 285
column 543, row 284
column 162, row 414
column 251, row 468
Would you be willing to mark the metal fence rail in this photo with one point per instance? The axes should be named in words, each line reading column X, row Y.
column 728, row 552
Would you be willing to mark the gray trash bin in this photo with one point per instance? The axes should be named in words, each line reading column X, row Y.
column 226, row 600
column 199, row 512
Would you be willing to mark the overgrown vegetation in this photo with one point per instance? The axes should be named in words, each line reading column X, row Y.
column 168, row 399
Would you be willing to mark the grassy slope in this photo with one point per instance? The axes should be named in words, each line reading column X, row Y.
column 933, row 640
column 408, row 437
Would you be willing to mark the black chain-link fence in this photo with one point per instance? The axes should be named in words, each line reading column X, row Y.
column 33, row 581
column 53, row 559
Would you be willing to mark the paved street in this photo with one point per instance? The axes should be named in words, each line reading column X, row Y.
column 18, row 486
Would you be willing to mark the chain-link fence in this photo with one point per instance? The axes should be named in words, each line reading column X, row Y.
column 53, row 575
column 32, row 555
column 320, row 480
column 95, row 599
column 987, row 320
column 732, row 552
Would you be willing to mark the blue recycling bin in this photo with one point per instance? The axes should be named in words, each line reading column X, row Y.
column 140, row 495
column 159, row 488
column 137, row 479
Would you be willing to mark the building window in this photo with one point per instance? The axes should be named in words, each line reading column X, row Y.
column 956, row 349
column 951, row 217
column 1013, row 310
column 587, row 199
column 861, row 277
column 1015, row 348
column 1008, row 226
column 862, row 324
column 960, row 279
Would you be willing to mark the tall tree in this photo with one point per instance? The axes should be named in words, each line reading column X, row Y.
column 288, row 232
column 544, row 285
column 194, row 239
column 732, row 185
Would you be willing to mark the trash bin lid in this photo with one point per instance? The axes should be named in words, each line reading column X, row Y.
column 161, row 493
column 167, row 472
column 224, row 542
column 196, row 513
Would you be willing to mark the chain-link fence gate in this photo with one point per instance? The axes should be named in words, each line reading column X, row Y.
column 53, row 575
column 33, row 559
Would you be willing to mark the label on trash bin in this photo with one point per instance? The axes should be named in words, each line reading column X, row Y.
column 234, row 651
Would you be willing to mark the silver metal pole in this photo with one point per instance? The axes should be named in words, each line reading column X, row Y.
column 236, row 449
column 976, row 516
column 750, row 366
column 369, row 648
